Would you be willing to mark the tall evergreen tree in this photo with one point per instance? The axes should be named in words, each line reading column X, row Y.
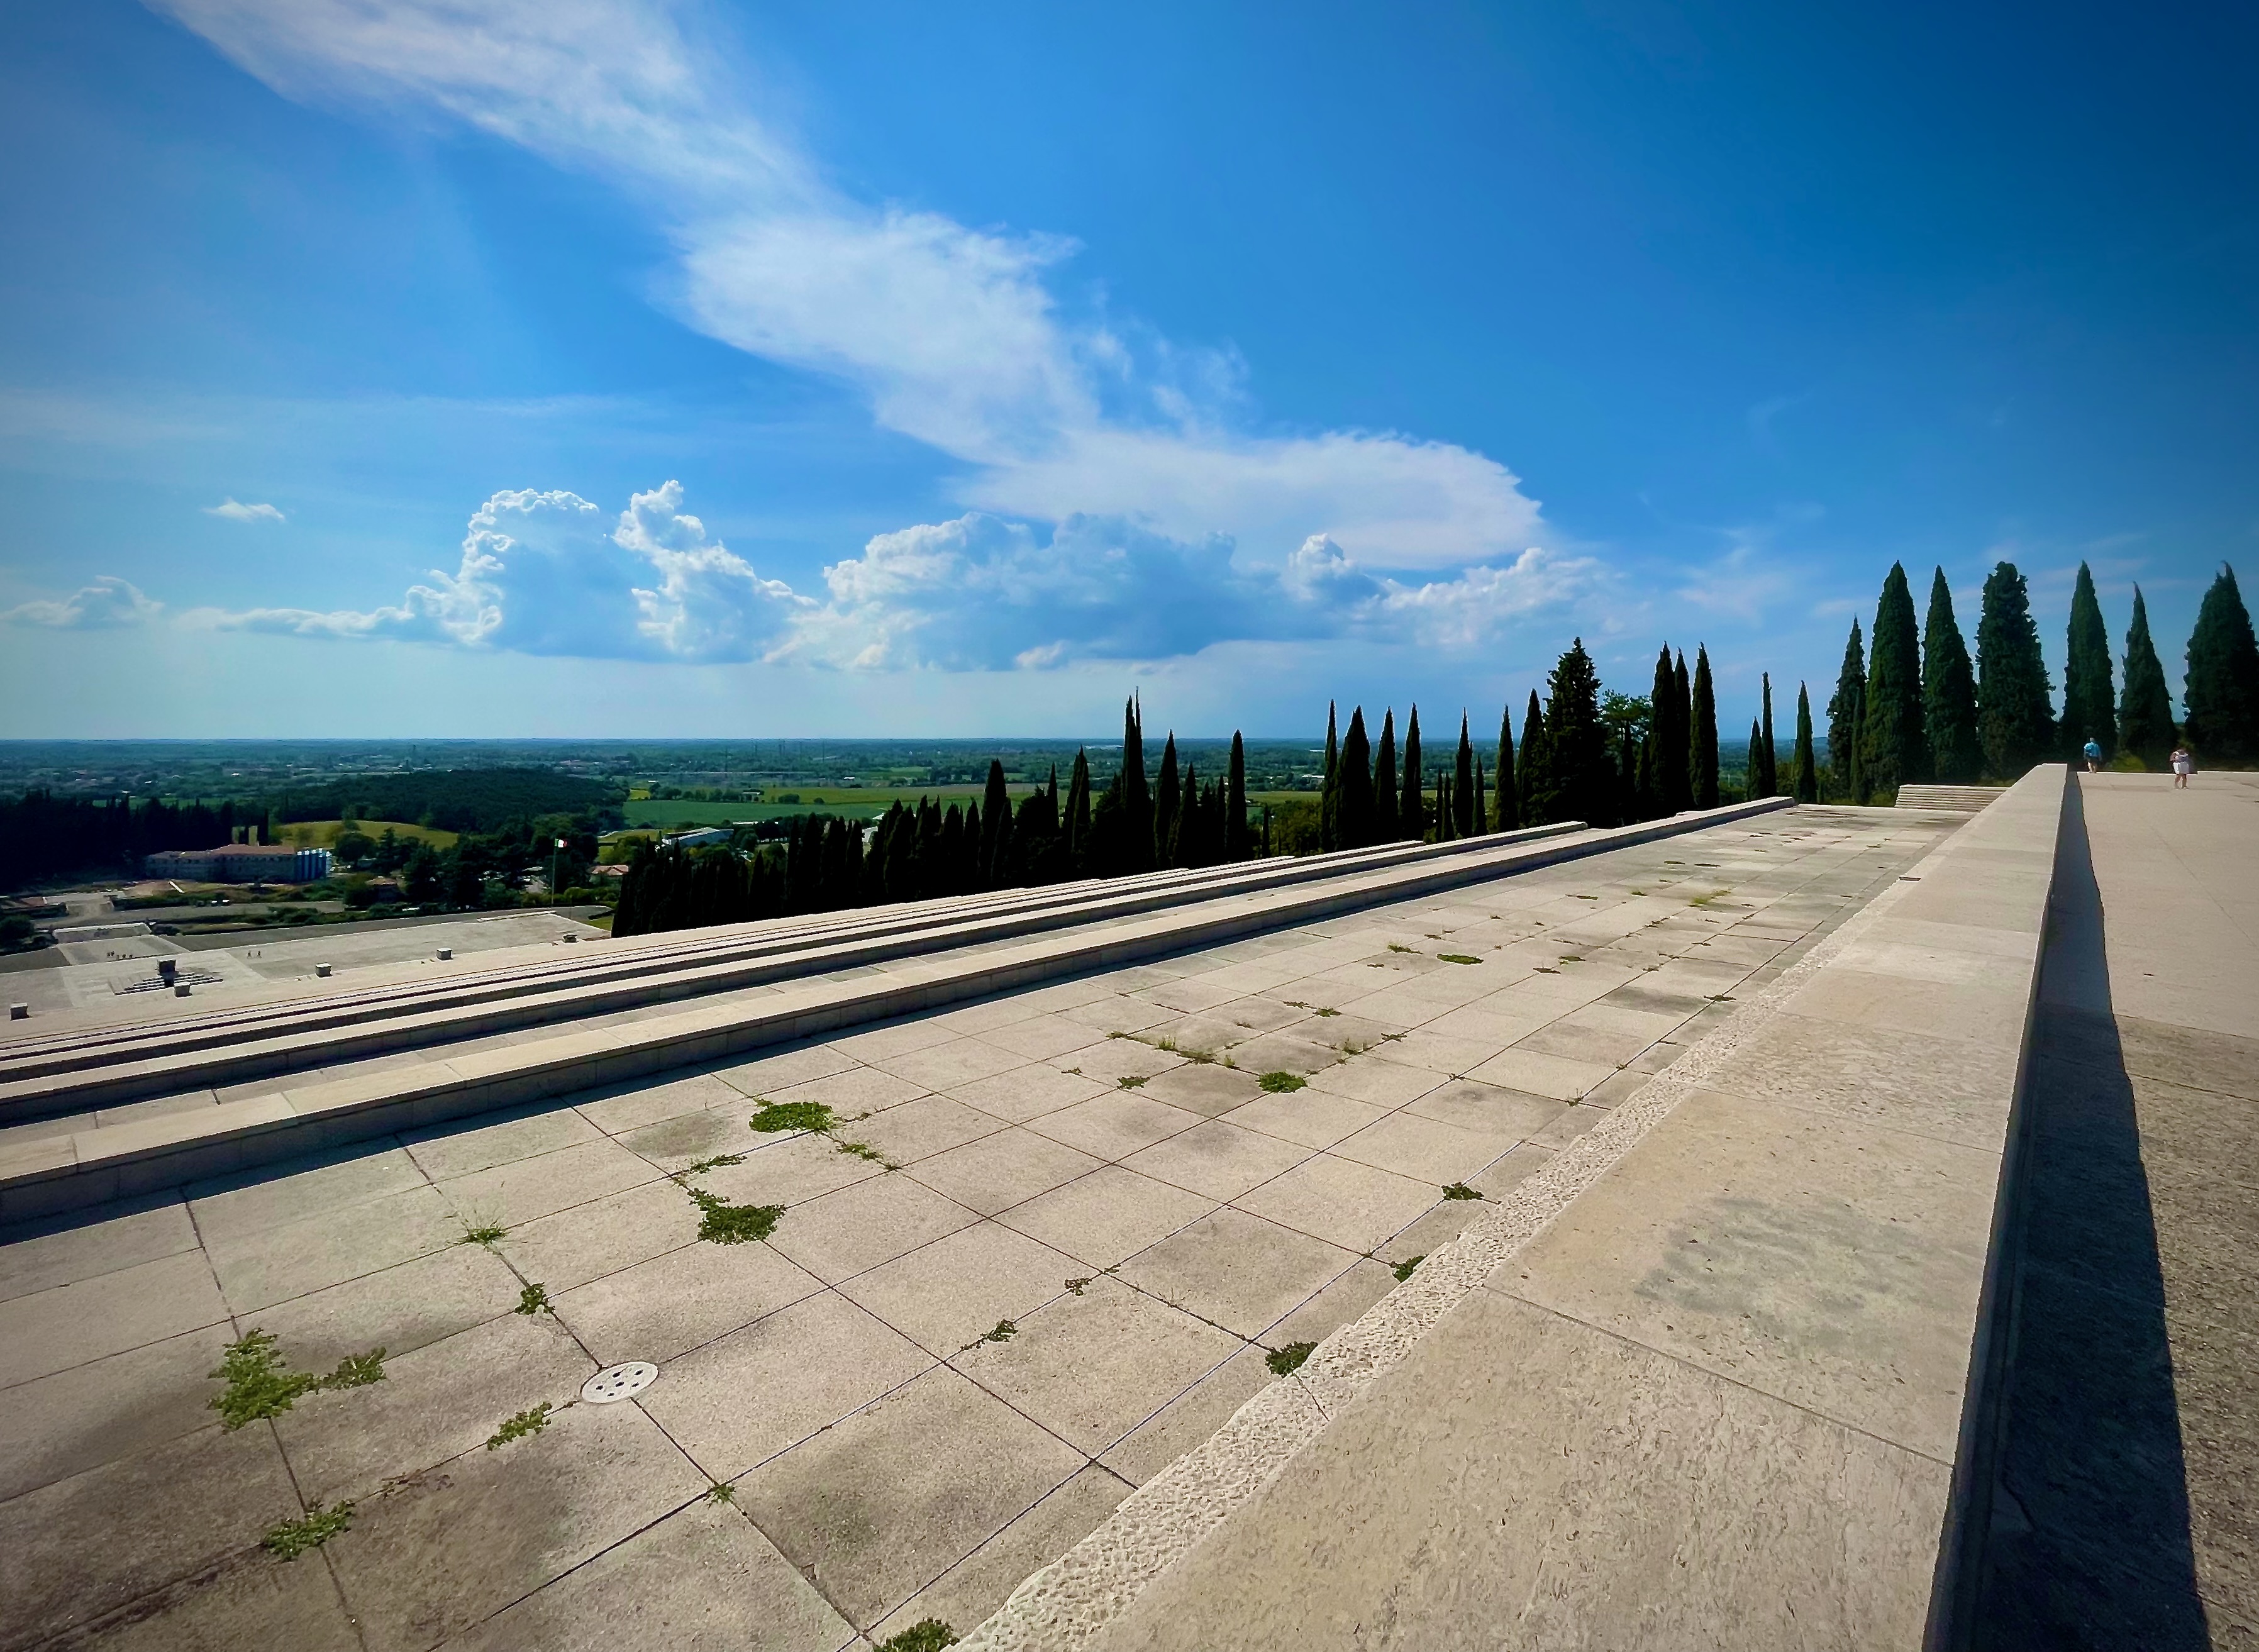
column 1464, row 801
column 1682, row 712
column 1329, row 792
column 2015, row 720
column 1508, row 814
column 2221, row 689
column 1703, row 743
column 1167, row 797
column 1768, row 770
column 995, row 829
column 2145, row 714
column 1075, row 825
column 1806, row 777
column 2090, row 704
column 1235, row 802
column 1481, row 813
column 1892, row 750
column 1847, row 710
column 1666, row 702
column 1387, row 805
column 1138, row 798
column 1646, row 788
column 1534, row 775
column 1948, row 692
column 1446, row 817
column 1579, row 771
column 1353, row 790
column 1412, row 818
column 1185, row 824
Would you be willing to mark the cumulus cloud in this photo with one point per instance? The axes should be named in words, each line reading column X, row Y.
column 546, row 572
column 953, row 333
column 234, row 510
column 982, row 592
column 106, row 604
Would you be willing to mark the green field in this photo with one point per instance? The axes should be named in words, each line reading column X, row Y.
column 321, row 834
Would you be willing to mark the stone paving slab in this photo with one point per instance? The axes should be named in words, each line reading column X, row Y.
column 1027, row 1327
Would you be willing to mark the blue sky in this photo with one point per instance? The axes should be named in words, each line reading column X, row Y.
column 614, row 367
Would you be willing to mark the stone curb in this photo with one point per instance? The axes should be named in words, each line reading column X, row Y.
column 50, row 1174
column 1072, row 1600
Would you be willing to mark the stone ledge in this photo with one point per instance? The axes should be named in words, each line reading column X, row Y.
column 1803, row 1440
column 119, row 1160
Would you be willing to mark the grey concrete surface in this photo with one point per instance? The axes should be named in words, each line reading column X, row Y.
column 2122, row 1504
column 1710, row 1391
column 950, row 1361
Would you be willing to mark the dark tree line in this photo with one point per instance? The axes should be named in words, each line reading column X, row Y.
column 1908, row 706
column 923, row 852
column 43, row 835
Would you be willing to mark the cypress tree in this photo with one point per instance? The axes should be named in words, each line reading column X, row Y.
column 1948, row 692
column 1806, row 777
column 1329, row 792
column 1750, row 769
column 1353, row 788
column 1235, row 802
column 1465, row 803
column 1769, row 775
column 1508, row 816
column 1446, row 817
column 1165, row 802
column 1535, row 779
column 1579, row 772
column 1185, row 823
column 968, row 862
column 2145, row 716
column 2221, row 689
column 1891, row 753
column 1702, row 744
column 2090, row 705
column 1682, row 715
column 1847, row 709
column 2014, row 721
column 1137, row 800
column 1411, row 819
column 1646, row 788
column 1667, row 700
column 1481, row 810
column 1075, row 828
column 1387, row 806
column 995, row 829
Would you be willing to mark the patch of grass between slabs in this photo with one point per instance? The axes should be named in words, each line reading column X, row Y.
column 485, row 1235
column 1460, row 1190
column 929, row 1635
column 293, row 1538
column 1325, row 1012
column 1285, row 1362
column 1459, row 958
column 1395, row 947
column 532, row 1421
column 775, row 1117
column 1282, row 1083
column 720, row 1492
column 1131, row 1083
column 260, row 1384
column 728, row 1224
column 717, row 1163
column 533, row 1299
column 1403, row 1270
column 1005, row 1331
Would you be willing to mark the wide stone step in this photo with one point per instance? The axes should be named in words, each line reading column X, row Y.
column 1960, row 799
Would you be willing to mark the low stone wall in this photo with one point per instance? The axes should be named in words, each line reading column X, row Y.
column 1705, row 1380
column 67, row 1172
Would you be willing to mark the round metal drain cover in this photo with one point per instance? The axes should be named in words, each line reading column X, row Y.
column 619, row 1382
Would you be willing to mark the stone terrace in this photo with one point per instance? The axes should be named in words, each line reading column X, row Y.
column 1074, row 1227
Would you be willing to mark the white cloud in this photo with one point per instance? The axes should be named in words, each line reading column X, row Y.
column 234, row 511
column 952, row 332
column 542, row 574
column 105, row 605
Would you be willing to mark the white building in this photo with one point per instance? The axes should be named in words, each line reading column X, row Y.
column 240, row 863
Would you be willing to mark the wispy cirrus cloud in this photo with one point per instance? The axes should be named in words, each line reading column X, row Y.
column 234, row 510
column 106, row 604
column 955, row 335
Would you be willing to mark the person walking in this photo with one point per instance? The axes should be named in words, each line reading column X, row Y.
column 2183, row 765
column 2093, row 757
